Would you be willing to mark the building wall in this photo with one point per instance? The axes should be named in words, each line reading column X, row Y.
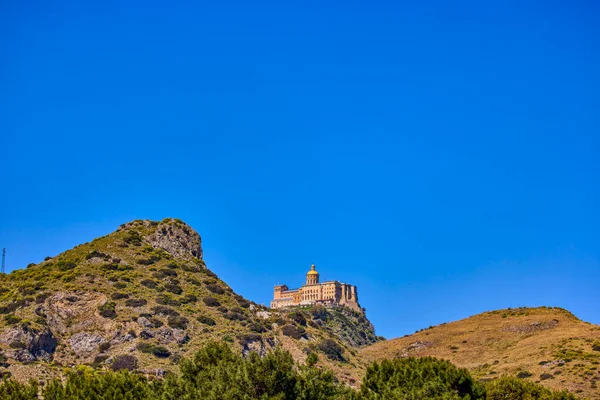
column 327, row 292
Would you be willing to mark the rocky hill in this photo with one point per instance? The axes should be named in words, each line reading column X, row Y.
column 143, row 295
column 545, row 345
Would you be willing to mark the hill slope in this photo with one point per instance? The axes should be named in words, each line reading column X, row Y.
column 546, row 345
column 144, row 291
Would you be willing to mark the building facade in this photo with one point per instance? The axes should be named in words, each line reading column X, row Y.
column 330, row 293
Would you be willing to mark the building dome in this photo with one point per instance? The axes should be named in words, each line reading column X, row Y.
column 312, row 271
column 312, row 276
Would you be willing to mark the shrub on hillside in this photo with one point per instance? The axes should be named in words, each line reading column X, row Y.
column 524, row 374
column 257, row 327
column 319, row 313
column 190, row 268
column 149, row 283
column 107, row 310
column 233, row 316
column 64, row 265
column 211, row 302
column 188, row 298
column 206, row 320
column 124, row 362
column 136, row 302
column 246, row 339
column 176, row 289
column 148, row 261
column 216, row 289
column 162, row 310
column 103, row 347
column 177, row 322
column 298, row 317
column 133, row 238
column 157, row 351
column 117, row 296
column 293, row 331
column 332, row 349
column 98, row 254
column 166, row 300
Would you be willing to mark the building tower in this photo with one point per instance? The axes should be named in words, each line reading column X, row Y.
column 312, row 276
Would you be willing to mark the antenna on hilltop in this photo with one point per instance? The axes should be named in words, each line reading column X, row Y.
column 3, row 259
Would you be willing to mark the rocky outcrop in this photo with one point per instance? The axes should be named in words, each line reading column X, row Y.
column 71, row 312
column 177, row 239
column 84, row 344
column 29, row 345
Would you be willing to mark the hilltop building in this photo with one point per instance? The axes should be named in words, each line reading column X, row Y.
column 330, row 293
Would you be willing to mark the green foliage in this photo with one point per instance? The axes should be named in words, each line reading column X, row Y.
column 13, row 390
column 117, row 296
column 218, row 372
column 419, row 378
column 11, row 319
column 65, row 265
column 133, row 238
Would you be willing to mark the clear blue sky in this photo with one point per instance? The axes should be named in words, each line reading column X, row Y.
column 444, row 158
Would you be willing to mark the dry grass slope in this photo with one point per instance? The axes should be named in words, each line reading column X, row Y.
column 546, row 345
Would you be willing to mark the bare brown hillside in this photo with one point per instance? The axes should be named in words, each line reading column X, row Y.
column 546, row 345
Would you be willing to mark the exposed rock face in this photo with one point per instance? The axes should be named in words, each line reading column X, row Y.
column 532, row 327
column 84, row 344
column 28, row 344
column 259, row 346
column 179, row 240
column 70, row 312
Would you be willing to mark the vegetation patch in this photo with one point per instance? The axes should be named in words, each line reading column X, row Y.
column 211, row 302
column 118, row 296
column 206, row 320
column 149, row 283
column 157, row 351
column 107, row 310
column 293, row 331
column 136, row 302
column 124, row 362
column 177, row 322
column 332, row 349
column 216, row 289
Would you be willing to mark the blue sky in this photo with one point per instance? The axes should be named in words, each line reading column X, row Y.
column 444, row 158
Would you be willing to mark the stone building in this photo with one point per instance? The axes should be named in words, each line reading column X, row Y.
column 330, row 293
